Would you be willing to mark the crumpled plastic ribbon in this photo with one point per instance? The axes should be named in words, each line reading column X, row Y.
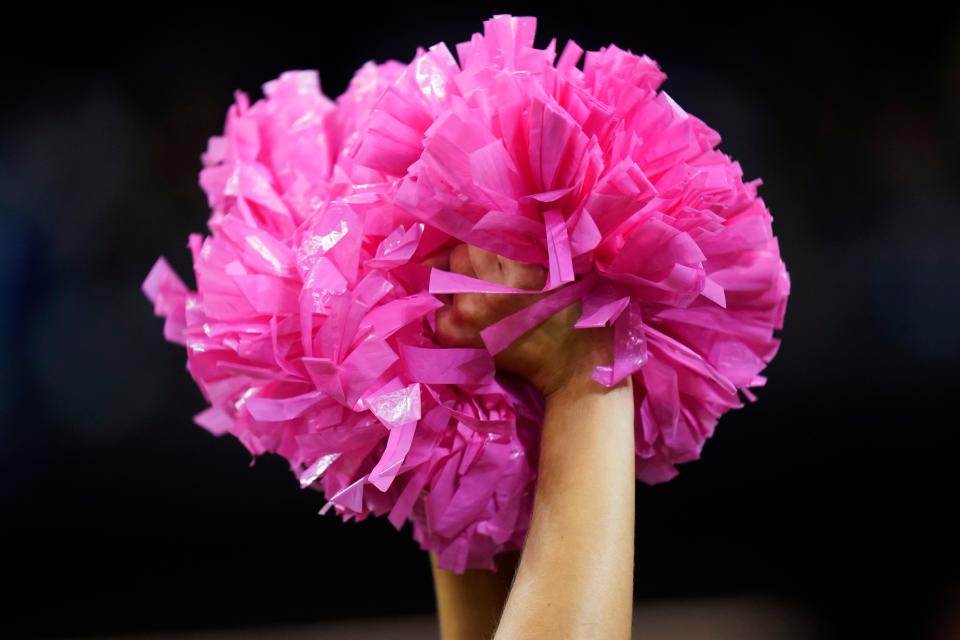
column 311, row 330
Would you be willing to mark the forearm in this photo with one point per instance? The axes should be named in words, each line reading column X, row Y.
column 575, row 577
column 469, row 604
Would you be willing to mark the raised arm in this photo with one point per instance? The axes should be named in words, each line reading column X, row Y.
column 575, row 577
column 469, row 604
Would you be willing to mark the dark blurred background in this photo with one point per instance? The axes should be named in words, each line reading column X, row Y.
column 836, row 492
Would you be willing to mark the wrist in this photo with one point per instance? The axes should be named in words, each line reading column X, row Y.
column 574, row 375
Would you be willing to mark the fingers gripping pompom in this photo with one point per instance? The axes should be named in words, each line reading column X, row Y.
column 312, row 329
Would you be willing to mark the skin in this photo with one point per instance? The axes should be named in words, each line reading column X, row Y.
column 574, row 578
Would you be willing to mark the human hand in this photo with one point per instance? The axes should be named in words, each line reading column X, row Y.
column 552, row 355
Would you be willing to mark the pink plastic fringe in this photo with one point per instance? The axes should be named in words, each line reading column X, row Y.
column 311, row 330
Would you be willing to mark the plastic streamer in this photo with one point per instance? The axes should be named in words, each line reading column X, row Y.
column 311, row 330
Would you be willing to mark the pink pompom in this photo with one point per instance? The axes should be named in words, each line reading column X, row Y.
column 311, row 332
